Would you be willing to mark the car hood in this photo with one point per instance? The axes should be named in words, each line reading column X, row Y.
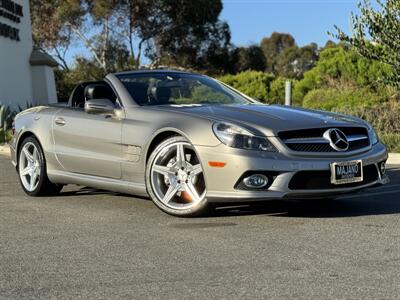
column 268, row 119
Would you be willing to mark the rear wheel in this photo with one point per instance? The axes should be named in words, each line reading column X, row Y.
column 175, row 179
column 32, row 170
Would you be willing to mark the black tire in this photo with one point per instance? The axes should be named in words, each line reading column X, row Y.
column 199, row 209
column 44, row 186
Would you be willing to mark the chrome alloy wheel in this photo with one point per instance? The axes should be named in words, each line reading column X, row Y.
column 29, row 166
column 177, row 176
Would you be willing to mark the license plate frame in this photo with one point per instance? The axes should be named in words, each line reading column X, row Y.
column 345, row 170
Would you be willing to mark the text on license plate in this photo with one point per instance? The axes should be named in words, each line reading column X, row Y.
column 346, row 172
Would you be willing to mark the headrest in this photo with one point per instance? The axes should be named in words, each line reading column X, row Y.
column 99, row 91
column 161, row 94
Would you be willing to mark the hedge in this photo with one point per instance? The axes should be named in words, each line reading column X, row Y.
column 5, row 137
column 384, row 118
column 332, row 98
column 252, row 83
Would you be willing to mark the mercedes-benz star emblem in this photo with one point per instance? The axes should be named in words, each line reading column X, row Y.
column 337, row 139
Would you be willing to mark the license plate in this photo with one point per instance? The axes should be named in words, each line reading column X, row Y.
column 346, row 172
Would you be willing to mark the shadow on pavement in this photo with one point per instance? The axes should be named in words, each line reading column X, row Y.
column 323, row 209
column 368, row 202
column 87, row 191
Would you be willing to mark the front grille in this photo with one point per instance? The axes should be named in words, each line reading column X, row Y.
column 311, row 140
column 310, row 147
column 320, row 180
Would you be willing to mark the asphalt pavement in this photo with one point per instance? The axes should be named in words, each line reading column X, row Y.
column 93, row 244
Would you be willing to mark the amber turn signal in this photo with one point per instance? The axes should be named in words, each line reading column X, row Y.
column 216, row 164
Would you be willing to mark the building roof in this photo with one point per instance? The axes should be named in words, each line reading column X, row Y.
column 39, row 58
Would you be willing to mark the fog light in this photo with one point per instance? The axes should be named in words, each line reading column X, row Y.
column 383, row 168
column 256, row 181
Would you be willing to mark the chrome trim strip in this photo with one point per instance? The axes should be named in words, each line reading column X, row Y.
column 350, row 138
column 306, row 141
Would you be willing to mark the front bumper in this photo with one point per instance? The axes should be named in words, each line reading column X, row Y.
column 221, row 182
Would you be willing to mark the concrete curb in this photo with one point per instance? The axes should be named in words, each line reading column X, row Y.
column 394, row 158
column 4, row 150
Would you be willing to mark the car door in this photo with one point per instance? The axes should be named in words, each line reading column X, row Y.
column 88, row 143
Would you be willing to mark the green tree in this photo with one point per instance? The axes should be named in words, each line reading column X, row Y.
column 329, row 44
column 249, row 58
column 343, row 68
column 90, row 22
column 294, row 62
column 51, row 26
column 183, row 32
column 376, row 35
column 273, row 46
column 83, row 70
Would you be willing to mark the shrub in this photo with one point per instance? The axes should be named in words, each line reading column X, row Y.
column 6, row 117
column 392, row 141
column 252, row 83
column 341, row 68
column 5, row 136
column 336, row 99
column 276, row 92
column 384, row 118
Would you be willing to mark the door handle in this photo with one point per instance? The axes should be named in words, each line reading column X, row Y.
column 60, row 121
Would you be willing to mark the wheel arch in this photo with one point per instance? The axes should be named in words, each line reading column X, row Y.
column 159, row 137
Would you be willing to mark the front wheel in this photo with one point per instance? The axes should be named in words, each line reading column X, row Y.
column 175, row 179
column 32, row 170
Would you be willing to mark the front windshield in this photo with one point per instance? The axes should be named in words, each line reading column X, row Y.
column 178, row 89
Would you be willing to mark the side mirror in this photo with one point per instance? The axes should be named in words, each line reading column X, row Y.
column 99, row 106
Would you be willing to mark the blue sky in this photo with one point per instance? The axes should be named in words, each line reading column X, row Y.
column 307, row 20
column 251, row 20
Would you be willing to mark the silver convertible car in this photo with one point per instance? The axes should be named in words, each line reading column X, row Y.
column 189, row 141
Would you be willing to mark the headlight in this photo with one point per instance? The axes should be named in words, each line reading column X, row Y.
column 238, row 137
column 373, row 137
